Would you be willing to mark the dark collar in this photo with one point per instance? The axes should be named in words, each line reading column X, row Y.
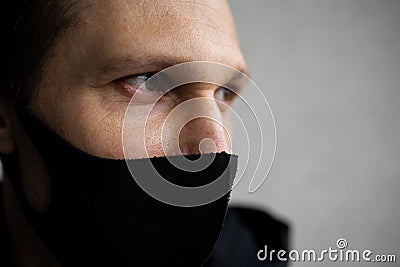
column 252, row 227
column 5, row 246
column 245, row 232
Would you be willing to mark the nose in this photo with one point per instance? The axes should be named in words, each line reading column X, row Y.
column 204, row 135
column 203, row 127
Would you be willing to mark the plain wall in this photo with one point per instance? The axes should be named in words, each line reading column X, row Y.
column 331, row 71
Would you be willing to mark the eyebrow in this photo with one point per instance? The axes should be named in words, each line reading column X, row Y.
column 123, row 66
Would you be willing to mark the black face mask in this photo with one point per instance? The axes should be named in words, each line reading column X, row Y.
column 99, row 215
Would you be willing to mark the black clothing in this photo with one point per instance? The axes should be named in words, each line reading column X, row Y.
column 245, row 232
column 5, row 250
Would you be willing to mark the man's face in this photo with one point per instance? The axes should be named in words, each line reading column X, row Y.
column 85, row 90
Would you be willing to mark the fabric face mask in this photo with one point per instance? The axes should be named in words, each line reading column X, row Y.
column 99, row 215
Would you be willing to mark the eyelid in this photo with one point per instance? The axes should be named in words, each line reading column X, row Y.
column 147, row 75
column 129, row 86
column 135, row 83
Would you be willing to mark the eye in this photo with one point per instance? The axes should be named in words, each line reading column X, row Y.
column 130, row 85
column 139, row 80
column 225, row 95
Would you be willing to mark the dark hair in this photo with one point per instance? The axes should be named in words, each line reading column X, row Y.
column 30, row 29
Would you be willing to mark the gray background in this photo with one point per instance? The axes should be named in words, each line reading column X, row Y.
column 331, row 71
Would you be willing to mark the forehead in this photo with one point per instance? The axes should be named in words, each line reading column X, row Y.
column 145, row 20
column 178, row 30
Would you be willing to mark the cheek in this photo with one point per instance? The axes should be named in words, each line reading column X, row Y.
column 96, row 128
column 90, row 120
column 143, row 131
column 101, row 124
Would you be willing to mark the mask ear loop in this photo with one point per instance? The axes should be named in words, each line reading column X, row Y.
column 13, row 173
column 12, row 167
column 10, row 161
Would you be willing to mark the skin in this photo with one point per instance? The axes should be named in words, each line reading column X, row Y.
column 83, row 98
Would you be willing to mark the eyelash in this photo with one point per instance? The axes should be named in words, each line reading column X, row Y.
column 130, row 87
